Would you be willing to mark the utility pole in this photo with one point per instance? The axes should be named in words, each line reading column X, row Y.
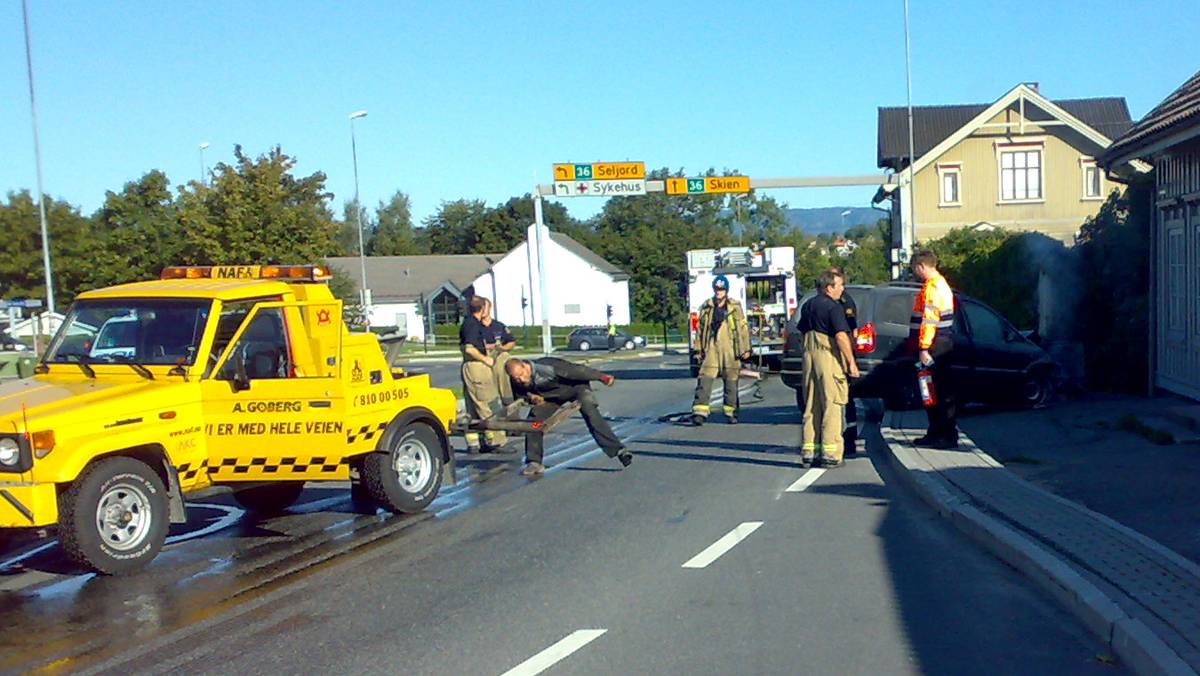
column 37, row 155
column 909, row 236
column 362, row 253
column 538, row 227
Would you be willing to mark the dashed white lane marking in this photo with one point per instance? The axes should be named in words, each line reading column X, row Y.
column 805, row 481
column 726, row 543
column 555, row 653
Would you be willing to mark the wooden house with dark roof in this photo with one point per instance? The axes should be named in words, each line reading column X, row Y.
column 1169, row 137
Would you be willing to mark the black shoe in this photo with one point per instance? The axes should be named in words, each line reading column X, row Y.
column 731, row 419
column 499, row 450
column 832, row 464
column 626, row 458
column 939, row 443
column 697, row 419
column 807, row 461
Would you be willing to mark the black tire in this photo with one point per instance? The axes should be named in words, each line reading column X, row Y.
column 138, row 516
column 1035, row 390
column 584, row 346
column 270, row 498
column 421, row 450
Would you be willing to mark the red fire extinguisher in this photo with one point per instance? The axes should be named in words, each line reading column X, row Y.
column 925, row 384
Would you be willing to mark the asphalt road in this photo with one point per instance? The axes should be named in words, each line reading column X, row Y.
column 697, row 559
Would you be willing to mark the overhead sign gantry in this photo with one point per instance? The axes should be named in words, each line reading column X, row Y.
column 613, row 179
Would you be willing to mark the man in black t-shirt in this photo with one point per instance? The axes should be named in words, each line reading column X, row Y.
column 828, row 365
column 480, row 394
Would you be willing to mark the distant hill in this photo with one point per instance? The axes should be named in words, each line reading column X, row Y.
column 826, row 220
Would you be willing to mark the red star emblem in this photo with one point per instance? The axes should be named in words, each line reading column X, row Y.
column 323, row 317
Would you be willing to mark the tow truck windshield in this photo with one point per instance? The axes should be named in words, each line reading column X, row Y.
column 136, row 331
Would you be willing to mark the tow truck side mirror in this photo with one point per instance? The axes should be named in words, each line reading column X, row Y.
column 241, row 380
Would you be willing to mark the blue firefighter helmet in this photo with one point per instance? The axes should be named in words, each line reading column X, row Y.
column 720, row 282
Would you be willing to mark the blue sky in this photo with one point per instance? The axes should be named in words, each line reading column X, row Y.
column 477, row 100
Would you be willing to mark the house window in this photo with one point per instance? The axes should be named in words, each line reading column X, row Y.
column 1093, row 181
column 1020, row 175
column 949, row 185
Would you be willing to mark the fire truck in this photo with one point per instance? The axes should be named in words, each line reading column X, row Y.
column 763, row 279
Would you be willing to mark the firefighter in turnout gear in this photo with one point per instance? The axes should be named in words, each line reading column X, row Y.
column 931, row 329
column 724, row 341
column 828, row 366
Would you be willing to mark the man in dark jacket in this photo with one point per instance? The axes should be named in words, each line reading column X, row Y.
column 549, row 383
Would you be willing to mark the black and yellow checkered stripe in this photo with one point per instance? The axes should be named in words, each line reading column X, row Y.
column 188, row 472
column 365, row 433
column 294, row 465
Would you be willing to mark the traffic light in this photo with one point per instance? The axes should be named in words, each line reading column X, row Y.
column 609, row 310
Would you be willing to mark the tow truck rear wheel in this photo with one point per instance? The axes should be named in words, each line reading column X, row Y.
column 114, row 518
column 270, row 498
column 405, row 475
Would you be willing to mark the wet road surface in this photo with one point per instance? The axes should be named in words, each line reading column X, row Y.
column 713, row 553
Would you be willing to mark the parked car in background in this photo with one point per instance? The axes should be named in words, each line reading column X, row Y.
column 995, row 363
column 596, row 338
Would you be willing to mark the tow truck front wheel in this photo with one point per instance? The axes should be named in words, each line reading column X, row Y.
column 406, row 474
column 115, row 517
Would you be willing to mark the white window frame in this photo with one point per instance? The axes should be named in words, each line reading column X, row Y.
column 945, row 169
column 1089, row 164
column 1037, row 145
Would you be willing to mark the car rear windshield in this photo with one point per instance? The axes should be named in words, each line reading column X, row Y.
column 894, row 307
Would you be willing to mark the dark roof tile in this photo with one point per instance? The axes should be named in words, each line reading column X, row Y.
column 934, row 124
column 1181, row 107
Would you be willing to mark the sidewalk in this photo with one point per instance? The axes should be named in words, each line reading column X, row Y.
column 1139, row 596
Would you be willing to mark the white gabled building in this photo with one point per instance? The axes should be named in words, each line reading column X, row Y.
column 580, row 286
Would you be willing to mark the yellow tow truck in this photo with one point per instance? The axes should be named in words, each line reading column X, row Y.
column 242, row 377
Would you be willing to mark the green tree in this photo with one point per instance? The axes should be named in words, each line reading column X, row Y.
column 1114, row 251
column 140, row 231
column 257, row 211
column 452, row 229
column 393, row 235
column 347, row 229
column 72, row 249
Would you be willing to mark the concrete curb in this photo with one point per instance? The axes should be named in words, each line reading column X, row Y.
column 1129, row 638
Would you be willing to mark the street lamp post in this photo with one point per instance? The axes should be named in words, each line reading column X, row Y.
column 362, row 255
column 203, row 167
column 37, row 156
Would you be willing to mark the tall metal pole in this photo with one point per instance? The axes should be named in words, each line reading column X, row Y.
column 362, row 253
column 37, row 155
column 538, row 227
column 912, row 189
column 203, row 167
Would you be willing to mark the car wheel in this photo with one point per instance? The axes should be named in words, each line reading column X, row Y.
column 114, row 517
column 270, row 498
column 584, row 346
column 629, row 345
column 406, row 474
column 1035, row 391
